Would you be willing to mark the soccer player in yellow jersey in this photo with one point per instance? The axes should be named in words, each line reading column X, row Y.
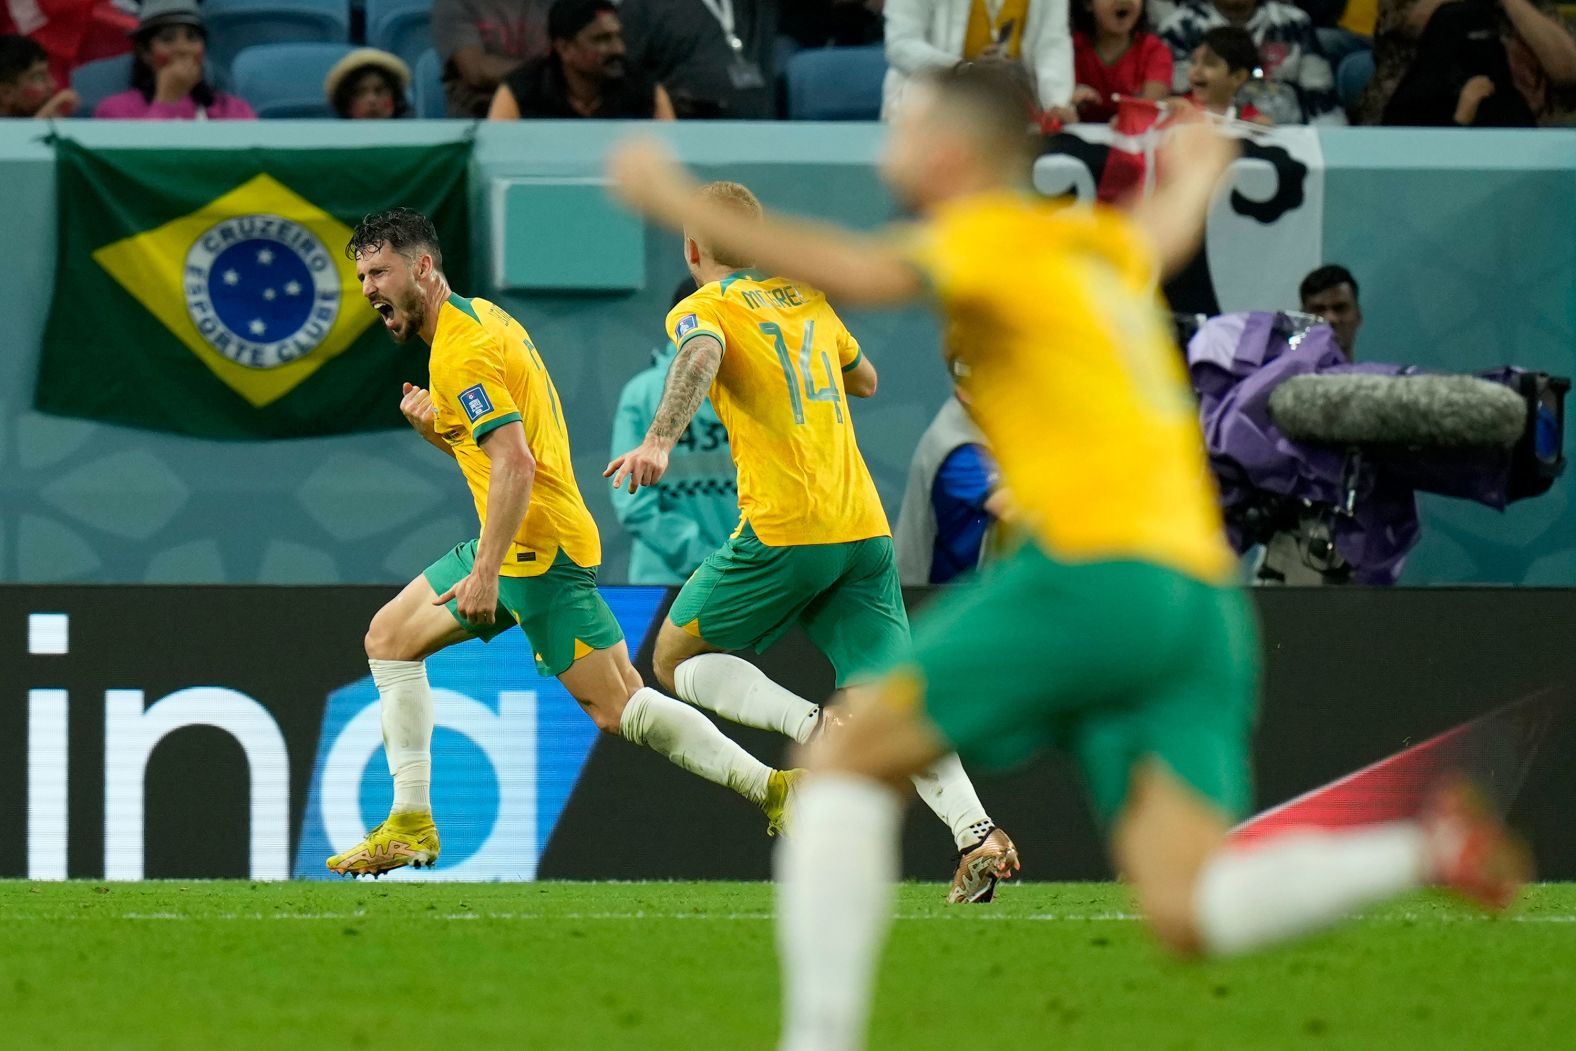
column 493, row 408
column 813, row 546
column 1114, row 632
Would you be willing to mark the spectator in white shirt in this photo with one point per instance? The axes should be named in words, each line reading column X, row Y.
column 925, row 34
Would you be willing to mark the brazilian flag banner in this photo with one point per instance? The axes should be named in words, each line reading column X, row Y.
column 207, row 292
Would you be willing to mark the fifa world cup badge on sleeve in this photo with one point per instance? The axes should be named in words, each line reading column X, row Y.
column 475, row 402
column 686, row 323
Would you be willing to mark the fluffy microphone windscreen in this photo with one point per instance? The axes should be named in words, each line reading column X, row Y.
column 1431, row 412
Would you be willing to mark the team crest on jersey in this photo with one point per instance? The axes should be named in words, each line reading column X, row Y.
column 262, row 291
column 475, row 402
column 686, row 324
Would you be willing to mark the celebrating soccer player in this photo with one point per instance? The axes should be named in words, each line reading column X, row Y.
column 813, row 546
column 493, row 408
column 1115, row 632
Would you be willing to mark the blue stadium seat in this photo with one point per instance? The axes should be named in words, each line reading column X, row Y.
column 1352, row 78
column 97, row 81
column 836, row 83
column 286, row 80
column 430, row 103
column 400, row 27
column 235, row 25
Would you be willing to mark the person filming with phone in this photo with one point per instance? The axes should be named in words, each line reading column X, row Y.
column 1032, row 34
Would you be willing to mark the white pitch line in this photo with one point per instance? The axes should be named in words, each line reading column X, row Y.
column 752, row 917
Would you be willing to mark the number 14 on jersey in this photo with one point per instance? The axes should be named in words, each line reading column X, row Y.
column 804, row 377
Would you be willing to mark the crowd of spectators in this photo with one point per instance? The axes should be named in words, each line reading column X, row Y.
column 1413, row 62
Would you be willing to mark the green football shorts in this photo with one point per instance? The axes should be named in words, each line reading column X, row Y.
column 747, row 594
column 1115, row 662
column 561, row 612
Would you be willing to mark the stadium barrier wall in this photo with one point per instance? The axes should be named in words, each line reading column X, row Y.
column 161, row 732
column 1459, row 238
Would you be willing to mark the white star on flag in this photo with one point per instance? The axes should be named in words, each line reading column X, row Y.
column 231, row 277
column 270, row 295
column 292, row 288
column 257, row 327
column 265, row 256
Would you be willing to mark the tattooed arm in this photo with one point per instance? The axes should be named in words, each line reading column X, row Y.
column 688, row 380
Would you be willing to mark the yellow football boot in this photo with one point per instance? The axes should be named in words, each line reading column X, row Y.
column 404, row 839
column 780, row 785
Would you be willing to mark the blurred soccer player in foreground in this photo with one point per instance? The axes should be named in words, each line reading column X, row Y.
column 494, row 409
column 813, row 546
column 1114, row 633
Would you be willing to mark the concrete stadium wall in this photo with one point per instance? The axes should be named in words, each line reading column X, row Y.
column 1461, row 240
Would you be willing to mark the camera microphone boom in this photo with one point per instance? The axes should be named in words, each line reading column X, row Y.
column 1416, row 411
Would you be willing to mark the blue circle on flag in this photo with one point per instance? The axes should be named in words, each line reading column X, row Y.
column 261, row 290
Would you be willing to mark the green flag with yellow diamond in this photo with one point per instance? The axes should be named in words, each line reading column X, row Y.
column 207, row 291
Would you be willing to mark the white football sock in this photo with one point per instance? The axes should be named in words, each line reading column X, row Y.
column 947, row 790
column 739, row 691
column 674, row 729
column 405, row 703
column 1249, row 897
column 835, row 877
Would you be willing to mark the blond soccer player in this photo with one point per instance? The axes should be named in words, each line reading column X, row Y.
column 1115, row 632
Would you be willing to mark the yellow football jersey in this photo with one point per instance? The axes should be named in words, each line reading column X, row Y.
column 486, row 372
column 779, row 393
column 1071, row 372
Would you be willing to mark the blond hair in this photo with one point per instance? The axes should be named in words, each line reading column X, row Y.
column 738, row 198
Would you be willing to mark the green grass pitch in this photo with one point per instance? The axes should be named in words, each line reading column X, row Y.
column 690, row 967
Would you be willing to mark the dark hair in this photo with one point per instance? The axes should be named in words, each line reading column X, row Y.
column 18, row 54
column 1080, row 14
column 1326, row 278
column 997, row 97
column 685, row 289
column 566, row 18
column 347, row 88
column 404, row 230
column 142, row 75
column 1235, row 47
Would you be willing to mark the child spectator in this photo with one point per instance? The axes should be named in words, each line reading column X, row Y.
column 71, row 32
column 1114, row 53
column 368, row 84
column 167, row 76
column 1221, row 64
column 26, row 87
column 1288, row 52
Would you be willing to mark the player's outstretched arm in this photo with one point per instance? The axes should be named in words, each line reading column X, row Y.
column 1191, row 164
column 689, row 379
column 847, row 266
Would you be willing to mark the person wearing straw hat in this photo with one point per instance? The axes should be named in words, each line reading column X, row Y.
column 368, row 84
column 168, row 81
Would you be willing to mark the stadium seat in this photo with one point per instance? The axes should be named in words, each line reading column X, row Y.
column 236, row 25
column 836, row 83
column 97, row 81
column 400, row 27
column 1352, row 78
column 430, row 103
column 286, row 80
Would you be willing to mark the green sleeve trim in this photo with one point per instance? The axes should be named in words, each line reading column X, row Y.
column 493, row 424
column 852, row 365
column 703, row 332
